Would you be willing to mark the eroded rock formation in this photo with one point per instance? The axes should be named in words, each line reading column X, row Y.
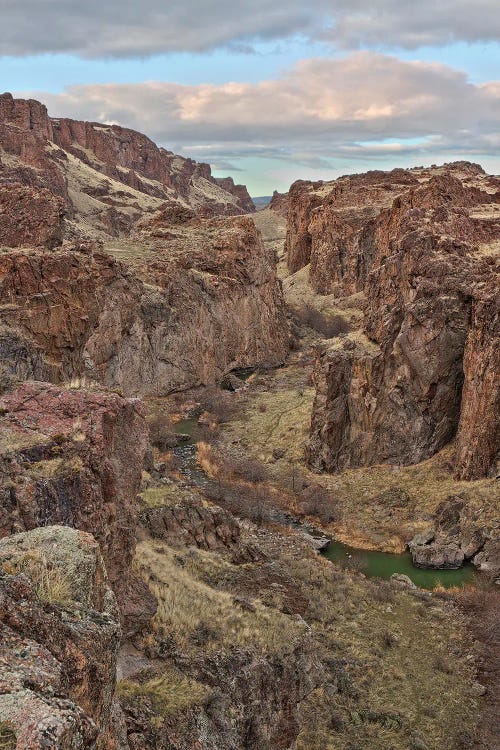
column 429, row 268
column 108, row 176
column 74, row 457
column 199, row 300
column 59, row 641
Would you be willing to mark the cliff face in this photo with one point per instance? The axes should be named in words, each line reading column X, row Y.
column 427, row 266
column 108, row 176
column 181, row 311
column 74, row 457
column 59, row 640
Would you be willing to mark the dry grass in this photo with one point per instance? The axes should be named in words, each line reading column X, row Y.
column 49, row 582
column 385, row 650
column 168, row 693
column 385, row 505
column 185, row 603
column 8, row 738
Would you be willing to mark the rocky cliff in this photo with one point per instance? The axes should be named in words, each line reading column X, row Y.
column 190, row 303
column 428, row 267
column 74, row 457
column 59, row 642
column 108, row 176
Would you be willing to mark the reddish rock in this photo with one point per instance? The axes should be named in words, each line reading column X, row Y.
column 279, row 203
column 422, row 264
column 196, row 305
column 73, row 457
column 30, row 217
column 58, row 647
column 115, row 174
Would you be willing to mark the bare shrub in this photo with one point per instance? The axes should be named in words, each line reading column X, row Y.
column 242, row 500
column 219, row 403
column 316, row 500
column 327, row 326
column 161, row 433
column 248, row 468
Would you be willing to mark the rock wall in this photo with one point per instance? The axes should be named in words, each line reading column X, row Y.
column 205, row 302
column 30, row 217
column 396, row 395
column 107, row 175
column 74, row 457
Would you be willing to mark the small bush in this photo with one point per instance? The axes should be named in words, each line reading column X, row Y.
column 389, row 639
column 221, row 404
column 319, row 322
column 161, row 432
column 316, row 500
column 252, row 471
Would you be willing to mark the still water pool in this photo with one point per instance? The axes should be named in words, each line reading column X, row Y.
column 383, row 565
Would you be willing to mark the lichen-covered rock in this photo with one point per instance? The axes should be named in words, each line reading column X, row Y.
column 73, row 457
column 60, row 635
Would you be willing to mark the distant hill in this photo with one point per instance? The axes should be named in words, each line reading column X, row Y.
column 262, row 201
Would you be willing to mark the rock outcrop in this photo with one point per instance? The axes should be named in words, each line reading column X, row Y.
column 193, row 302
column 59, row 641
column 30, row 217
column 108, row 176
column 429, row 268
column 74, row 457
column 191, row 523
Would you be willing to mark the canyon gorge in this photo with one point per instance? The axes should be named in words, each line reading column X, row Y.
column 196, row 398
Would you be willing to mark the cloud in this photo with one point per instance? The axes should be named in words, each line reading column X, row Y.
column 366, row 104
column 119, row 29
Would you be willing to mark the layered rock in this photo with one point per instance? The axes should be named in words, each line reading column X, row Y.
column 194, row 301
column 107, row 175
column 74, row 457
column 59, row 641
column 396, row 395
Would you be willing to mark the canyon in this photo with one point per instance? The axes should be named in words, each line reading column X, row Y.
column 194, row 398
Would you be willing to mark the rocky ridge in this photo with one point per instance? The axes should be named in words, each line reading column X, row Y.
column 107, row 175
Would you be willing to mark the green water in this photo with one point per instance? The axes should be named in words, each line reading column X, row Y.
column 187, row 427
column 383, row 565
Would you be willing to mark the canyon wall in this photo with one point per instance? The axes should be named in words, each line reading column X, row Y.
column 108, row 176
column 182, row 313
column 429, row 269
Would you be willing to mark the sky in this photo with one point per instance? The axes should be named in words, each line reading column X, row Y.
column 270, row 92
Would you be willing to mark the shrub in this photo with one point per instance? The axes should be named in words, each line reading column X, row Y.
column 161, row 433
column 319, row 322
column 221, row 404
column 8, row 738
column 317, row 501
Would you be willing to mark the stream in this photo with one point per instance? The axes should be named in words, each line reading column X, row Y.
column 372, row 563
